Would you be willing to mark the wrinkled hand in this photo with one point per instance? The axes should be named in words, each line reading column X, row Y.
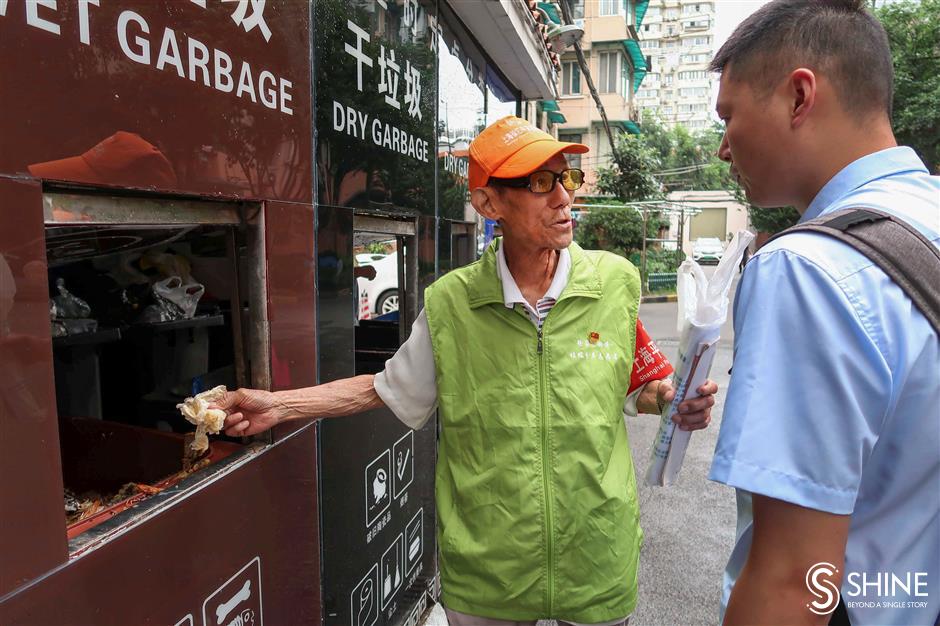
column 694, row 413
column 250, row 411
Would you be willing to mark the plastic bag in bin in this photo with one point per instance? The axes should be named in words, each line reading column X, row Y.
column 70, row 315
column 173, row 300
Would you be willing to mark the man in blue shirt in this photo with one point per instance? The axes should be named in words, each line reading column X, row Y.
column 831, row 428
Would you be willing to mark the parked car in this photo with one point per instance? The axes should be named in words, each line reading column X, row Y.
column 368, row 258
column 382, row 291
column 707, row 250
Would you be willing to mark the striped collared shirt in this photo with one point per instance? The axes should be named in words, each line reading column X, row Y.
column 512, row 296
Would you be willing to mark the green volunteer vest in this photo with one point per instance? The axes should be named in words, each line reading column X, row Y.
column 536, row 497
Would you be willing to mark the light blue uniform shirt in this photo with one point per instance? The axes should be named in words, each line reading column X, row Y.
column 834, row 399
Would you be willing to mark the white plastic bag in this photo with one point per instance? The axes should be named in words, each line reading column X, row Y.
column 703, row 308
column 174, row 300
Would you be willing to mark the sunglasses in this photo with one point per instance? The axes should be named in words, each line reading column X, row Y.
column 543, row 181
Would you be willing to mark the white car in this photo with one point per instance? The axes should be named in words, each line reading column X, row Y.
column 368, row 258
column 382, row 291
column 707, row 250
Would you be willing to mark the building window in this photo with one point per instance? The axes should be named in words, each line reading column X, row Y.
column 624, row 78
column 693, row 92
column 574, row 160
column 570, row 78
column 603, row 146
column 609, row 73
column 693, row 75
column 697, row 24
column 577, row 9
column 703, row 41
column 611, row 7
column 649, row 44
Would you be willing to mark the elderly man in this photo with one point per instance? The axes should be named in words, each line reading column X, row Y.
column 528, row 355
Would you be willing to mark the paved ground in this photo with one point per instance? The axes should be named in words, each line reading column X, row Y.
column 688, row 527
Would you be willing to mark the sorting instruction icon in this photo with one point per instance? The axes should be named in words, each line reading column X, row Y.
column 364, row 600
column 403, row 455
column 392, row 573
column 414, row 541
column 378, row 487
column 238, row 601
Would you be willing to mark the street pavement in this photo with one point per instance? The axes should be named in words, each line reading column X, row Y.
column 689, row 526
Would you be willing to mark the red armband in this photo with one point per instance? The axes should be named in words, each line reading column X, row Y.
column 648, row 362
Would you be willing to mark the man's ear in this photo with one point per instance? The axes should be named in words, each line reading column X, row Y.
column 802, row 91
column 483, row 200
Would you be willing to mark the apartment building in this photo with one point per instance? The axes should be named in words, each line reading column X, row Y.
column 678, row 37
column 618, row 66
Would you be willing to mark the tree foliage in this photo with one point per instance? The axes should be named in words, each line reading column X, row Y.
column 630, row 175
column 914, row 32
column 689, row 160
column 615, row 229
column 772, row 220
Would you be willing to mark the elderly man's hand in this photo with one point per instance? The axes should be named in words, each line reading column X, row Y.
column 694, row 413
column 250, row 411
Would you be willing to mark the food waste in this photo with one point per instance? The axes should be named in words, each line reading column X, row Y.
column 196, row 411
column 80, row 506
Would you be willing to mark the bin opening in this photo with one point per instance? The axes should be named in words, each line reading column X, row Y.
column 141, row 318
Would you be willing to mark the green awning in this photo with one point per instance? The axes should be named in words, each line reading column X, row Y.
column 641, row 6
column 637, row 60
column 548, row 105
column 549, row 8
column 556, row 117
column 628, row 125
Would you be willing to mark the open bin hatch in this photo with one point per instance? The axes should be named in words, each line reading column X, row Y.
column 142, row 317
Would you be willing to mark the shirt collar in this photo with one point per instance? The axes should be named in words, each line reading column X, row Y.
column 511, row 293
column 870, row 167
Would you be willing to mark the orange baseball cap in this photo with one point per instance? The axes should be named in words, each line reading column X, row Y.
column 512, row 147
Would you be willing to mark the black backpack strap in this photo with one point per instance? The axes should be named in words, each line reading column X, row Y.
column 840, row 617
column 899, row 249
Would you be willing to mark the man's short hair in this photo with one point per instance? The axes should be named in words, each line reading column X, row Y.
column 840, row 39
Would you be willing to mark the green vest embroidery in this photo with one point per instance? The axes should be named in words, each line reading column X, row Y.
column 536, row 496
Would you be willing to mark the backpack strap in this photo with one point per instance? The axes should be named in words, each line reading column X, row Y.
column 899, row 249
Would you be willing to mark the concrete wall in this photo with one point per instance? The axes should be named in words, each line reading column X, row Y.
column 709, row 202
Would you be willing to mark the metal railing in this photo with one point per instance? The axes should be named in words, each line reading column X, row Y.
column 661, row 282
